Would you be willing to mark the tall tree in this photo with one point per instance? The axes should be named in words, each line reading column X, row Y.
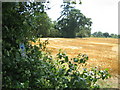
column 72, row 21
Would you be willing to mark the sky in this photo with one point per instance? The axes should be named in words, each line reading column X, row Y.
column 103, row 13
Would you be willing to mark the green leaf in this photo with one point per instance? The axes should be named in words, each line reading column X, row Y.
column 75, row 59
column 66, row 59
column 106, row 69
column 81, row 61
column 73, row 2
column 62, row 61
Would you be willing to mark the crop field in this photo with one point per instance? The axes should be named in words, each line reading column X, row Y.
column 102, row 52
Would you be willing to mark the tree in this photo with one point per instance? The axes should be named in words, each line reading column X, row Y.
column 83, row 33
column 52, row 31
column 113, row 35
column 95, row 34
column 118, row 36
column 72, row 21
column 106, row 34
column 100, row 34
column 42, row 24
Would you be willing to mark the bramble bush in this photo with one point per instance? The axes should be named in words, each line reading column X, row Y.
column 38, row 69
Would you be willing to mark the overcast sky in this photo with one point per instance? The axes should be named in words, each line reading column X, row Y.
column 104, row 13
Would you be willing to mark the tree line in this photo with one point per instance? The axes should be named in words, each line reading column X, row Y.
column 71, row 23
column 105, row 35
column 33, row 17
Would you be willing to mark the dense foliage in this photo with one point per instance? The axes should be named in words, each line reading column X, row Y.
column 27, row 66
column 105, row 35
column 73, row 21
column 17, row 28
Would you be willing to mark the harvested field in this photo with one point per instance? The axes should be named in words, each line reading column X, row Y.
column 102, row 52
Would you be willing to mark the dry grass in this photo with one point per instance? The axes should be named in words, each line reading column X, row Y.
column 102, row 52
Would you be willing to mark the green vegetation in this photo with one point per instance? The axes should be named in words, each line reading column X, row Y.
column 38, row 69
column 27, row 66
column 118, row 36
column 72, row 21
column 105, row 35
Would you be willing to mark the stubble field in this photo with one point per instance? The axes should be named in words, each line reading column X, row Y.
column 102, row 52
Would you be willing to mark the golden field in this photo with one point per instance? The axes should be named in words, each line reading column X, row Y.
column 102, row 52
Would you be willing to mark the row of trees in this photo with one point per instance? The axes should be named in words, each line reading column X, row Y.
column 70, row 24
column 106, row 35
